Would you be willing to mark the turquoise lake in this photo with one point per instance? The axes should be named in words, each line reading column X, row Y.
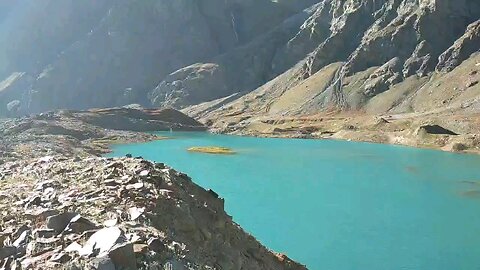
column 336, row 205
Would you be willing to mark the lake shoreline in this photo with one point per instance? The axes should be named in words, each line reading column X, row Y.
column 441, row 132
column 367, row 139
column 71, row 140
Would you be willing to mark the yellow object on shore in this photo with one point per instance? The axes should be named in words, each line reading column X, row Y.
column 212, row 150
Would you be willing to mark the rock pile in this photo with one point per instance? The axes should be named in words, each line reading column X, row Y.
column 99, row 213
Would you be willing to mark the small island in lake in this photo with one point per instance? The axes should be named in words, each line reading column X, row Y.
column 212, row 150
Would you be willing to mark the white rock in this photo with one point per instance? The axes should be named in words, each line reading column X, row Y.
column 103, row 240
column 135, row 212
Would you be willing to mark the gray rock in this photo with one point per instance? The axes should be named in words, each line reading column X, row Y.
column 135, row 212
column 102, row 241
column 60, row 222
column 6, row 252
column 79, row 224
column 156, row 245
column 74, row 247
column 123, row 256
column 61, row 257
column 104, row 263
column 174, row 265
column 435, row 130
column 21, row 240
column 463, row 47
column 34, row 201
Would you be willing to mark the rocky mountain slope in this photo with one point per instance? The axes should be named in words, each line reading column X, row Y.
column 347, row 53
column 355, row 62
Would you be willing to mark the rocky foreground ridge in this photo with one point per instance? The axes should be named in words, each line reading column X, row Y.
column 98, row 213
column 64, row 207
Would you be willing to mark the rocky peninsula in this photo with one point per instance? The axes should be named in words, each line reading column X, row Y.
column 64, row 207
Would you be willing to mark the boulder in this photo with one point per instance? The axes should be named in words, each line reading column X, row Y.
column 59, row 222
column 6, row 252
column 101, row 242
column 123, row 256
column 435, row 130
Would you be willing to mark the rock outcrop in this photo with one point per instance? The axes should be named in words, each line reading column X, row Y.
column 461, row 49
column 159, row 53
column 435, row 129
column 85, row 133
column 359, row 55
column 238, row 70
column 380, row 44
column 139, row 120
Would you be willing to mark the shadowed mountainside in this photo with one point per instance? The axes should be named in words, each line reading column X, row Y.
column 83, row 54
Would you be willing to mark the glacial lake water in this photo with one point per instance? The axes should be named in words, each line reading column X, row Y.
column 336, row 205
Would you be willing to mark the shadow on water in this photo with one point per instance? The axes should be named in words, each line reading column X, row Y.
column 475, row 194
column 470, row 182
column 412, row 169
column 471, row 189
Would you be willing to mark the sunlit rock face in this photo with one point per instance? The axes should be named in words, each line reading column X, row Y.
column 399, row 37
